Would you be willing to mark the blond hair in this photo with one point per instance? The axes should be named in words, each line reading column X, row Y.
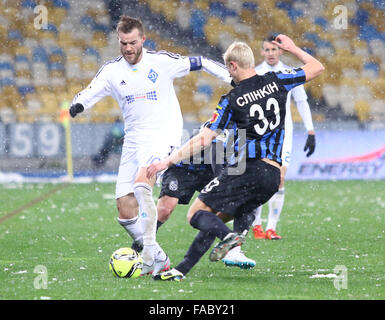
column 241, row 53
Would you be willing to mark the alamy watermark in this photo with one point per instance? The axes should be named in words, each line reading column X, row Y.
column 341, row 279
column 41, row 281
column 340, row 22
column 229, row 149
column 41, row 20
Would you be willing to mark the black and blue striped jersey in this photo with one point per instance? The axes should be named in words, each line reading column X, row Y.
column 257, row 107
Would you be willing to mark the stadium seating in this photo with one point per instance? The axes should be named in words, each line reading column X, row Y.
column 39, row 68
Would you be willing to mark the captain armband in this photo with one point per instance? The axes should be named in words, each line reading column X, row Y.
column 195, row 63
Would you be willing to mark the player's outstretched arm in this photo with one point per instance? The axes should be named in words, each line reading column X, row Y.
column 312, row 67
column 96, row 90
column 216, row 69
column 202, row 140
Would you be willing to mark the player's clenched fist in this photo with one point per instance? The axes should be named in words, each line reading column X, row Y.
column 75, row 109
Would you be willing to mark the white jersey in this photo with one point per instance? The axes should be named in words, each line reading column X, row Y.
column 300, row 98
column 146, row 95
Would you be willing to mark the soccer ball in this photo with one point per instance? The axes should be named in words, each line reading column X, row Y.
column 126, row 263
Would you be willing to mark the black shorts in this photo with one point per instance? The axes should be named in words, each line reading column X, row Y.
column 181, row 183
column 240, row 194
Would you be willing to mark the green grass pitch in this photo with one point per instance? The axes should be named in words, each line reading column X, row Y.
column 71, row 233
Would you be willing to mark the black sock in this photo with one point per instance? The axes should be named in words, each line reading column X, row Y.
column 198, row 248
column 243, row 222
column 207, row 221
column 158, row 225
column 137, row 246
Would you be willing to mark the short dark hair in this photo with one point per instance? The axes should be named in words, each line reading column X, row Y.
column 126, row 24
column 270, row 37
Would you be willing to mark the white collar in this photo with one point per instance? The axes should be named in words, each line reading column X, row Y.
column 277, row 67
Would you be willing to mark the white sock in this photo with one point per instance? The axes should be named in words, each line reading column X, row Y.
column 134, row 228
column 275, row 208
column 160, row 254
column 258, row 216
column 151, row 252
column 148, row 254
column 147, row 212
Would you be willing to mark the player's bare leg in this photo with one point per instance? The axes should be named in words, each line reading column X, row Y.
column 196, row 206
column 127, row 206
column 165, row 207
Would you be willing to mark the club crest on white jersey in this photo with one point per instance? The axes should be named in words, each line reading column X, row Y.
column 152, row 75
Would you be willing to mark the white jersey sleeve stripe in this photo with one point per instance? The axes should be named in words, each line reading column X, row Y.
column 216, row 69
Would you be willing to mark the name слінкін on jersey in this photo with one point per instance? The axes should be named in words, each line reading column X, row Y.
column 257, row 94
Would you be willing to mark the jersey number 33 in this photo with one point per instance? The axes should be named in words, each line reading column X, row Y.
column 261, row 128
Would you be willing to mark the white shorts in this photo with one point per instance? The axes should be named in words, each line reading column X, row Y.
column 133, row 158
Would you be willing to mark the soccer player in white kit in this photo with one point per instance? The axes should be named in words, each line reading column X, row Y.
column 141, row 81
column 272, row 54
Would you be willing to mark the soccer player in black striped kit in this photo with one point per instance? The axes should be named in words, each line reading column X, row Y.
column 257, row 107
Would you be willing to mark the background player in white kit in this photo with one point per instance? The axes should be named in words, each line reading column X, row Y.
column 141, row 81
column 272, row 54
